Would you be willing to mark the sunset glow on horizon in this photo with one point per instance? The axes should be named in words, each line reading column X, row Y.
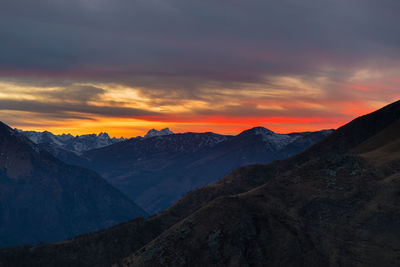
column 223, row 111
column 85, row 67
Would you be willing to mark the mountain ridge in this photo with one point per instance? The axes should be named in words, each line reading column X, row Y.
column 44, row 199
column 68, row 142
column 153, row 132
column 157, row 171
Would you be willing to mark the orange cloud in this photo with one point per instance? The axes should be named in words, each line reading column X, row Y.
column 283, row 104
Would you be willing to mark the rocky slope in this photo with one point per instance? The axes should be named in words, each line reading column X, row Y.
column 44, row 199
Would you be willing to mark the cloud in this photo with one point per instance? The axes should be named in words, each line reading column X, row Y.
column 66, row 102
column 81, row 94
column 175, row 60
column 210, row 40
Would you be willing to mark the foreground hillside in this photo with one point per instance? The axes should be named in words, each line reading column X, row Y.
column 44, row 199
column 336, row 204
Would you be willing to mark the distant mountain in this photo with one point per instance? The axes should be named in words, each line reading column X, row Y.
column 154, row 132
column 44, row 199
column 76, row 144
column 157, row 170
column 335, row 204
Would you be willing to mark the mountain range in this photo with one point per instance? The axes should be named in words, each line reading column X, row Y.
column 69, row 143
column 335, row 204
column 44, row 199
column 158, row 169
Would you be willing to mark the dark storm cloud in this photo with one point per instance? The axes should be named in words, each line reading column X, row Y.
column 232, row 41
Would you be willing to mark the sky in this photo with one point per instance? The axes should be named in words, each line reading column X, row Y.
column 126, row 66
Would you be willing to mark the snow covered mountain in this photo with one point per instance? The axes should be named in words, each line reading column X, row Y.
column 279, row 142
column 76, row 144
column 154, row 132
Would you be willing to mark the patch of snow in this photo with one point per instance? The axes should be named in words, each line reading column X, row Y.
column 76, row 144
column 154, row 132
column 277, row 141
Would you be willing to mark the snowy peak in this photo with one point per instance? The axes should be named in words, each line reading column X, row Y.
column 257, row 131
column 275, row 141
column 76, row 144
column 154, row 132
column 272, row 140
column 261, row 131
column 103, row 136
